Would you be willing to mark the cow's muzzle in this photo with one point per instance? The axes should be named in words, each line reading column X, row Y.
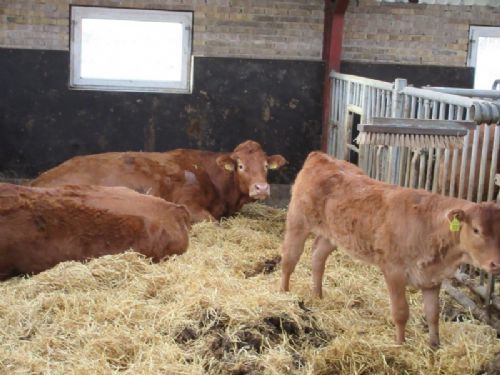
column 260, row 190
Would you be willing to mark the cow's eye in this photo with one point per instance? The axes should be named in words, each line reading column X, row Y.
column 475, row 230
column 240, row 167
column 266, row 166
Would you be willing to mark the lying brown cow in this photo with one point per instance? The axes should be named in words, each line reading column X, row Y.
column 405, row 232
column 40, row 227
column 209, row 184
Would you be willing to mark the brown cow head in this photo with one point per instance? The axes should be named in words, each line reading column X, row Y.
column 480, row 234
column 250, row 164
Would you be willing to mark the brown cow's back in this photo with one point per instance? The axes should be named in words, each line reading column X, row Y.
column 40, row 227
column 209, row 184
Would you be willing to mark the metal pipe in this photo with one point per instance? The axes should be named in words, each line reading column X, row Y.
column 442, row 97
column 494, row 160
column 413, row 111
column 491, row 94
column 445, row 170
column 435, row 177
column 453, row 176
column 482, row 166
column 421, row 173
column 427, row 109
column 463, row 164
column 413, row 168
column 365, row 81
column 429, row 170
column 472, row 169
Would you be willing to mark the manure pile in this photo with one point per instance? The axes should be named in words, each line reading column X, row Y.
column 217, row 310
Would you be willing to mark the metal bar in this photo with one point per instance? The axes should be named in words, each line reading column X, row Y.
column 442, row 97
column 413, row 110
column 378, row 171
column 403, row 156
column 429, row 170
column 366, row 81
column 445, row 170
column 421, row 173
column 369, row 160
column 482, row 166
column 427, row 109
column 383, row 104
column 436, row 106
column 413, row 168
column 407, row 106
column 451, row 112
column 388, row 110
column 492, row 94
column 435, row 177
column 461, row 180
column 377, row 103
column 472, row 169
column 454, row 165
column 494, row 161
column 490, row 289
column 420, row 109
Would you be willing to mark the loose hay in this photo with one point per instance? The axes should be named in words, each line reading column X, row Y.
column 217, row 310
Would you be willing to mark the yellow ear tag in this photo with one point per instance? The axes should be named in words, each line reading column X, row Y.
column 273, row 166
column 229, row 167
column 455, row 225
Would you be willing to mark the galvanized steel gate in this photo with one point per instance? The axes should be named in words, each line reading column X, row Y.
column 469, row 173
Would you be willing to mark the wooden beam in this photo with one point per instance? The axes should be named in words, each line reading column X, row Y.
column 332, row 50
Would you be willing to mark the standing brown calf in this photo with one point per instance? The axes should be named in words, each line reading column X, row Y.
column 40, row 227
column 405, row 232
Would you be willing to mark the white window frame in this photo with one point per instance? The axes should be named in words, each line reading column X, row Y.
column 78, row 82
column 475, row 32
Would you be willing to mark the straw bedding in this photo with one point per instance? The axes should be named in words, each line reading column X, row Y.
column 217, row 310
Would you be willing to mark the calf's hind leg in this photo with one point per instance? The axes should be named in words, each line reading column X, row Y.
column 321, row 249
column 292, row 249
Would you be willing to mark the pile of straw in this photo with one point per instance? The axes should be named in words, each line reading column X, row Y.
column 217, row 310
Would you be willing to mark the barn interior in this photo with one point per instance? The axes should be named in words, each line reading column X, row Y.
column 255, row 70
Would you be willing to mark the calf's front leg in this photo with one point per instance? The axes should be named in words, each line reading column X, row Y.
column 431, row 310
column 396, row 284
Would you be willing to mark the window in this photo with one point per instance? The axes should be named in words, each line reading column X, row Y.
column 115, row 49
column 484, row 55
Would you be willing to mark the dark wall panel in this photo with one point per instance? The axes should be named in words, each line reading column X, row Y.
column 42, row 123
column 418, row 75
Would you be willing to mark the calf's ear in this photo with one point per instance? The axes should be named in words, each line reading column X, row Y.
column 456, row 213
column 276, row 161
column 226, row 162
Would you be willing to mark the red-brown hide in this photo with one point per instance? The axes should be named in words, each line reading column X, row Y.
column 405, row 232
column 209, row 184
column 40, row 227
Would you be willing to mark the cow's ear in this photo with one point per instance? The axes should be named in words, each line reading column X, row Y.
column 226, row 162
column 276, row 161
column 456, row 213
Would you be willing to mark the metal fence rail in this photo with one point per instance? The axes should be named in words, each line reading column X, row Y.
column 467, row 173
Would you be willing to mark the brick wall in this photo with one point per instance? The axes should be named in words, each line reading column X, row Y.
column 284, row 29
column 412, row 33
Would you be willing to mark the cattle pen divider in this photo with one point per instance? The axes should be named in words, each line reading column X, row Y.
column 469, row 172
